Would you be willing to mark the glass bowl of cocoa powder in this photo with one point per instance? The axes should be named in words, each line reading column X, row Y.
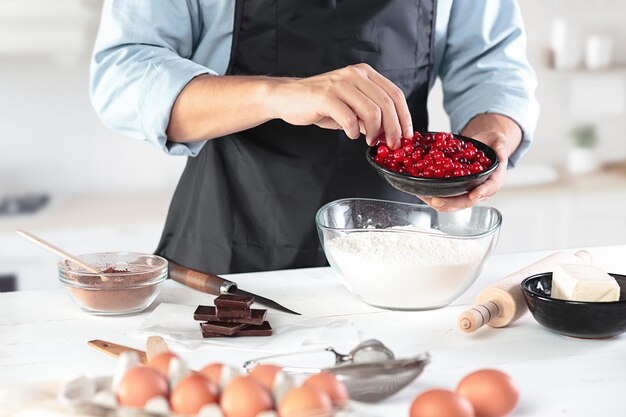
column 127, row 284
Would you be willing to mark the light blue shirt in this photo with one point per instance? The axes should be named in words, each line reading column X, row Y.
column 147, row 51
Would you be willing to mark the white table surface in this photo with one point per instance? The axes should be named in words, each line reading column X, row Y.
column 43, row 338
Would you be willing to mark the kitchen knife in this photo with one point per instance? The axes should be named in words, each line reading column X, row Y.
column 215, row 285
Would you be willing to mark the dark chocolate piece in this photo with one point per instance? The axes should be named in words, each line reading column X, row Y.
column 234, row 301
column 227, row 329
column 257, row 317
column 261, row 330
column 251, row 331
column 205, row 313
column 233, row 313
column 207, row 335
column 209, row 313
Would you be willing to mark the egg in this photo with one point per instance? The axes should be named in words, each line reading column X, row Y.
column 125, row 361
column 192, row 393
column 265, row 375
column 329, row 383
column 161, row 362
column 441, row 403
column 139, row 385
column 245, row 397
column 306, row 401
column 492, row 393
column 213, row 372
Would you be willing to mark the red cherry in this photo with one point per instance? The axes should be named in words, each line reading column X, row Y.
column 476, row 168
column 407, row 162
column 408, row 148
column 383, row 151
column 417, row 136
column 392, row 165
column 379, row 159
column 436, row 154
column 440, row 136
column 469, row 153
column 457, row 173
column 448, row 165
column 428, row 173
column 439, row 172
column 421, row 165
column 398, row 155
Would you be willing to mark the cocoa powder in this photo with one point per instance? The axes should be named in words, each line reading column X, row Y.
column 127, row 287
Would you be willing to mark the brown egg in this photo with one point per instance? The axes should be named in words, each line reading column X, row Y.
column 265, row 375
column 305, row 401
column 161, row 362
column 329, row 383
column 441, row 403
column 244, row 397
column 491, row 392
column 140, row 384
column 192, row 393
column 213, row 372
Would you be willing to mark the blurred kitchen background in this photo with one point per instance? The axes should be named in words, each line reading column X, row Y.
column 67, row 178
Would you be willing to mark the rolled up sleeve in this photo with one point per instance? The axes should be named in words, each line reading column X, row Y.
column 484, row 67
column 141, row 64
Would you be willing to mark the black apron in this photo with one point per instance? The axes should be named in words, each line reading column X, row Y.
column 247, row 202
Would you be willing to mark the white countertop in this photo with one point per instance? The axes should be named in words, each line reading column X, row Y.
column 43, row 337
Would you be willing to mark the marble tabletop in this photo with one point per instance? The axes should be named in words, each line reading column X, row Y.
column 43, row 338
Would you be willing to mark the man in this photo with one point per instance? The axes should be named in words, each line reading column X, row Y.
column 268, row 142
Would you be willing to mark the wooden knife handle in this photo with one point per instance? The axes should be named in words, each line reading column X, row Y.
column 201, row 281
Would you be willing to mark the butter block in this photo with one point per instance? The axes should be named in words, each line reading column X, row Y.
column 583, row 283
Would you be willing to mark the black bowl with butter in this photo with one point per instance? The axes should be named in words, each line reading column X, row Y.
column 582, row 319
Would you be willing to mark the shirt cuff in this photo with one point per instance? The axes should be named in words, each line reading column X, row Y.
column 513, row 104
column 163, row 81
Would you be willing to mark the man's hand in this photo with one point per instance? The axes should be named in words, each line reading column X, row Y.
column 356, row 99
column 503, row 135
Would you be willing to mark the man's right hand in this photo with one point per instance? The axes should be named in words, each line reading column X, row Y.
column 356, row 99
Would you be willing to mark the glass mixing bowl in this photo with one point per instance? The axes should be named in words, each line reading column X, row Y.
column 128, row 284
column 406, row 256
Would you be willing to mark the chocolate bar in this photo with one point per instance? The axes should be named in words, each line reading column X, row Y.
column 226, row 329
column 233, row 313
column 210, row 313
column 234, row 301
column 205, row 313
column 261, row 330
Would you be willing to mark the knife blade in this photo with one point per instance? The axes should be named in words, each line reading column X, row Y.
column 216, row 285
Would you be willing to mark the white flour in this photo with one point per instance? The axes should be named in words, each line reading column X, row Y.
column 407, row 270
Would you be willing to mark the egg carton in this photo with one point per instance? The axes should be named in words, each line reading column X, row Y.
column 95, row 396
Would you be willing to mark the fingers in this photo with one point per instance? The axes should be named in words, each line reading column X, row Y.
column 367, row 111
column 389, row 116
column 397, row 96
column 345, row 117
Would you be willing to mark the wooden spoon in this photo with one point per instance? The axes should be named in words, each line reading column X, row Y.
column 58, row 251
column 155, row 345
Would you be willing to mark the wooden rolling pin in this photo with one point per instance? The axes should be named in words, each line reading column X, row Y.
column 502, row 303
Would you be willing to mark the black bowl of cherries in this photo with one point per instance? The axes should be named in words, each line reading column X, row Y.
column 435, row 164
